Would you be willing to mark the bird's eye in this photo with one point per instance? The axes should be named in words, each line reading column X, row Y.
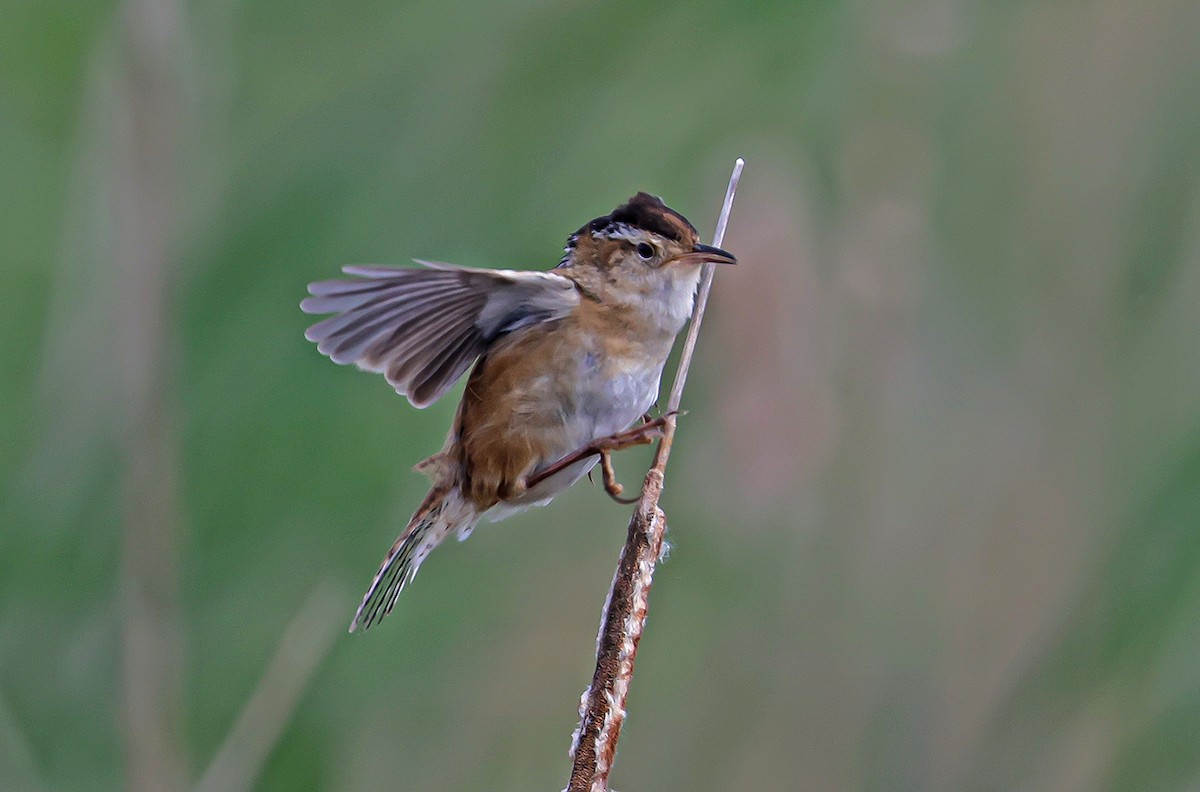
column 645, row 250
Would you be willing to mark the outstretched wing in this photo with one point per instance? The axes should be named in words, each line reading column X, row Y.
column 423, row 327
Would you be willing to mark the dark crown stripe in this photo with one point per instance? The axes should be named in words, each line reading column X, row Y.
column 647, row 212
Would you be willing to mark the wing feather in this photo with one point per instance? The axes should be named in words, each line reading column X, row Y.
column 423, row 327
column 388, row 336
column 404, row 365
column 356, row 333
column 440, row 373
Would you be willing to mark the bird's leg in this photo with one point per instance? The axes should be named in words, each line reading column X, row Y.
column 611, row 485
column 644, row 433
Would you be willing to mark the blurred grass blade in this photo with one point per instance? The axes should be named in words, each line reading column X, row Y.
column 305, row 644
column 18, row 768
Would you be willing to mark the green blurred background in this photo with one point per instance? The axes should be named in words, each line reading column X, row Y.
column 936, row 505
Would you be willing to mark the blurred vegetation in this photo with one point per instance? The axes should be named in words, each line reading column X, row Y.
column 936, row 504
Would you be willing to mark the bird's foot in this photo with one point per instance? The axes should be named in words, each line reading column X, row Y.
column 644, row 433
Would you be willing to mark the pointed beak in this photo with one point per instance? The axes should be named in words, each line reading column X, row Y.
column 707, row 254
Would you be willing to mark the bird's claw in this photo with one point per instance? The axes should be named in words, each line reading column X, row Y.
column 611, row 485
column 644, row 433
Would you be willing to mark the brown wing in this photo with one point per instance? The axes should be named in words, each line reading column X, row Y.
column 423, row 327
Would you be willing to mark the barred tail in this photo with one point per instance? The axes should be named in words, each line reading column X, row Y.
column 442, row 513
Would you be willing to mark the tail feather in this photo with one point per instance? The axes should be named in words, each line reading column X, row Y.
column 442, row 513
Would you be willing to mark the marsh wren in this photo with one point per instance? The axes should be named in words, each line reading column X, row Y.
column 565, row 362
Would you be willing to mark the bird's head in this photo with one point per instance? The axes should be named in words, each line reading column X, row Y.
column 643, row 255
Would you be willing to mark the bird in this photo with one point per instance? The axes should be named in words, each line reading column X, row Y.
column 565, row 366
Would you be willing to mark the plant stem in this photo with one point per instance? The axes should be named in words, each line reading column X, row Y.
column 602, row 707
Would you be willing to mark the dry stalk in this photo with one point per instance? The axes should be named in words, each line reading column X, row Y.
column 147, row 103
column 602, row 706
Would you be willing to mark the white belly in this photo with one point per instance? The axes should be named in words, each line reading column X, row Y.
column 609, row 401
column 609, row 397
